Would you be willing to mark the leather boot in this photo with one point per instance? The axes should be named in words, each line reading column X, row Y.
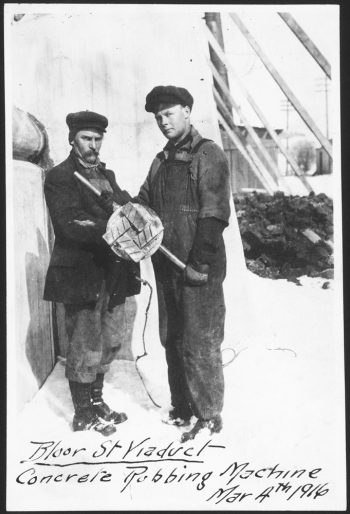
column 85, row 418
column 214, row 425
column 101, row 409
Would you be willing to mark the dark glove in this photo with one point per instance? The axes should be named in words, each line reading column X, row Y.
column 105, row 200
column 194, row 277
column 206, row 241
column 123, row 197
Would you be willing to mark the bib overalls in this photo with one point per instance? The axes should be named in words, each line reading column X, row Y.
column 191, row 319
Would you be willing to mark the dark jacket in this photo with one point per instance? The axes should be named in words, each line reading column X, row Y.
column 185, row 189
column 81, row 259
column 209, row 170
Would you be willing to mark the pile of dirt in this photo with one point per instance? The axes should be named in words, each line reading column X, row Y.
column 272, row 234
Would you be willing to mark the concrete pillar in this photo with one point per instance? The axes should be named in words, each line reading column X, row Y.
column 30, row 344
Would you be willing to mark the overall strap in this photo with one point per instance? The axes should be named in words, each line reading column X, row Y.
column 195, row 149
column 199, row 144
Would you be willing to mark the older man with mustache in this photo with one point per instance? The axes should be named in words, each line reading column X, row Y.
column 84, row 274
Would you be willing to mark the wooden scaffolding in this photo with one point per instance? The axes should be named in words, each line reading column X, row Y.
column 253, row 151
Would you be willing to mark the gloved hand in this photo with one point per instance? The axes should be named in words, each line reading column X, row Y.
column 105, row 200
column 124, row 197
column 194, row 277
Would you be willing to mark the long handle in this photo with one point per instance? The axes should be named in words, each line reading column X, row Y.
column 172, row 257
column 162, row 248
column 87, row 184
column 91, row 187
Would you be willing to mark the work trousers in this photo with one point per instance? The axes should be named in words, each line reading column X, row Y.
column 95, row 336
column 191, row 324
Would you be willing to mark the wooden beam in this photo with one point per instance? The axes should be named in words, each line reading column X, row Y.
column 213, row 23
column 316, row 239
column 307, row 42
column 220, row 103
column 254, row 160
column 260, row 114
column 257, row 161
column 283, row 85
column 262, row 174
column 272, row 165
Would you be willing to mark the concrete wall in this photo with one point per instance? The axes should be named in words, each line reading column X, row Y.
column 30, row 340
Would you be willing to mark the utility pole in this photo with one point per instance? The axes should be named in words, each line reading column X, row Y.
column 322, row 84
column 287, row 107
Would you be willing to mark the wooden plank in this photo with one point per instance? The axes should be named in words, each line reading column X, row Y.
column 260, row 114
column 222, row 105
column 252, row 189
column 262, row 174
column 315, row 238
column 213, row 23
column 257, row 161
column 250, row 156
column 307, row 42
column 283, row 85
column 251, row 153
column 272, row 165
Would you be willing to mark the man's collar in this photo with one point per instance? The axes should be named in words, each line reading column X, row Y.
column 185, row 145
column 195, row 137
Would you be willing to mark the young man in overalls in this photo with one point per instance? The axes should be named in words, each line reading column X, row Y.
column 189, row 188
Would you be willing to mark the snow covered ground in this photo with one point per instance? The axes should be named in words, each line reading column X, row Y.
column 284, row 407
column 319, row 183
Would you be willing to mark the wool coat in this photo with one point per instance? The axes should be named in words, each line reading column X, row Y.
column 81, row 259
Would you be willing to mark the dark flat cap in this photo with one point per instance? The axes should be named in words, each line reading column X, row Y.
column 86, row 119
column 168, row 94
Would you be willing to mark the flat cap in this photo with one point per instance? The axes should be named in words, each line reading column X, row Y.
column 168, row 94
column 86, row 119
